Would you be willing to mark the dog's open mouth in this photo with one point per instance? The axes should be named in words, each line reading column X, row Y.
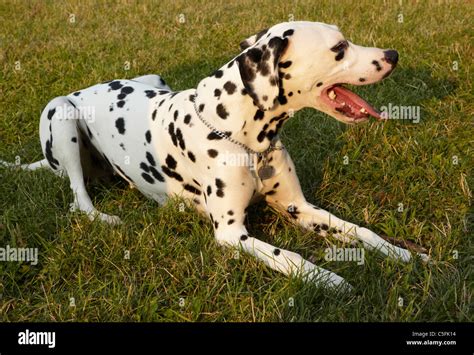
column 348, row 103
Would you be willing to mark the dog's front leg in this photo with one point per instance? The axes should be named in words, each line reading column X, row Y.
column 283, row 192
column 226, row 207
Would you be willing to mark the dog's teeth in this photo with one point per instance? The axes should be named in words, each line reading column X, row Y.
column 343, row 104
column 332, row 95
column 363, row 110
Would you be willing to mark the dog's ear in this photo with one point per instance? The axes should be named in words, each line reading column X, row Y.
column 252, row 39
column 258, row 67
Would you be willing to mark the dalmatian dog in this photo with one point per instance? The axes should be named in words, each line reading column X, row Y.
column 217, row 146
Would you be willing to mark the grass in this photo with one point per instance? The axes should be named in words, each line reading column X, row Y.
column 175, row 271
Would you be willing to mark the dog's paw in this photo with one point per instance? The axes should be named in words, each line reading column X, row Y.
column 112, row 220
column 328, row 279
column 425, row 258
column 399, row 254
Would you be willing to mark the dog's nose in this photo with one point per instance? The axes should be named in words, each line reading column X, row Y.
column 391, row 56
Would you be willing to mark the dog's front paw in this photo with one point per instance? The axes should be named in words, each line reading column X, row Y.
column 329, row 279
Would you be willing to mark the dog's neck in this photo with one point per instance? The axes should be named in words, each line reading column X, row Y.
column 227, row 106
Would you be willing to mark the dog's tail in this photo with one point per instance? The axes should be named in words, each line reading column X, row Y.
column 33, row 166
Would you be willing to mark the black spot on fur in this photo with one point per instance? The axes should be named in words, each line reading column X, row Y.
column 148, row 178
column 221, row 111
column 74, row 139
column 212, row 153
column 230, row 87
column 339, row 56
column 175, row 115
column 201, row 107
column 285, row 64
column 121, row 103
column 127, row 90
column 144, row 167
column 217, row 93
column 153, row 115
column 258, row 115
column 220, row 184
column 171, row 162
column 115, row 85
column 179, row 137
column 361, row 80
column 192, row 189
column 243, row 237
column 324, row 226
column 187, row 118
column 49, row 154
column 150, row 93
column 171, row 174
column 261, row 136
column 120, row 124
column 276, row 252
column 148, row 136
column 220, row 188
column 319, row 84
column 51, row 113
column 150, row 158
column 172, row 134
column 230, row 221
column 377, row 65
column 218, row 73
column 191, row 157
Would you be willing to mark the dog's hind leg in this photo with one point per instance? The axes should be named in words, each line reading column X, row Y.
column 59, row 134
column 32, row 166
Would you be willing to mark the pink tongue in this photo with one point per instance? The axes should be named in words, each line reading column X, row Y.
column 355, row 101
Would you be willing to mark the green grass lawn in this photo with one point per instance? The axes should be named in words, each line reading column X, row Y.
column 175, row 270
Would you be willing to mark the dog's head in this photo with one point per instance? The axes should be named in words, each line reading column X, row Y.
column 306, row 64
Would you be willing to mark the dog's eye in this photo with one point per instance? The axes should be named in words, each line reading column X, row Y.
column 340, row 46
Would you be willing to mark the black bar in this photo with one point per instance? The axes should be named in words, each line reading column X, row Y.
column 319, row 338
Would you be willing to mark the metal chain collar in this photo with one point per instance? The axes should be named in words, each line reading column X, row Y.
column 221, row 134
